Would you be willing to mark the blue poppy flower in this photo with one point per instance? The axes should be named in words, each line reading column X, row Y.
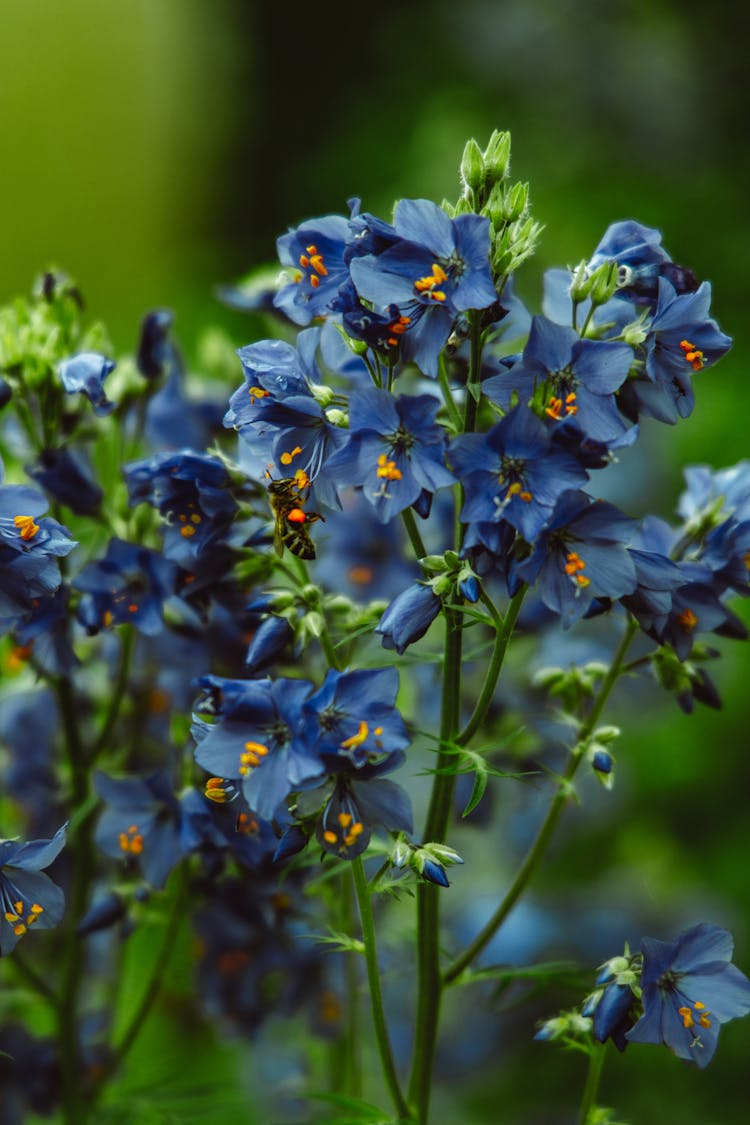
column 396, row 450
column 28, row 898
column 513, row 472
column 86, row 373
column 690, row 988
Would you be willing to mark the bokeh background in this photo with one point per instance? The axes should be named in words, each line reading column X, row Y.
column 157, row 148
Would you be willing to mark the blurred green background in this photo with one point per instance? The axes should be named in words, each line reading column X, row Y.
column 156, row 148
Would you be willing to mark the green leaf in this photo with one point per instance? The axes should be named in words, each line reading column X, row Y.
column 546, row 970
column 480, row 784
column 363, row 1113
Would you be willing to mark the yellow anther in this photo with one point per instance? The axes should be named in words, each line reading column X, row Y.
column 215, row 790
column 18, row 906
column 301, row 479
column 257, row 748
column 195, row 518
column 687, row 620
column 19, row 929
column 344, row 819
column 687, row 1017
column 555, row 408
column 330, row 837
column 10, row 917
column 356, row 739
column 256, row 392
column 187, row 532
column 378, row 730
column 131, row 841
column 316, row 261
column 694, row 356
column 246, row 824
column 26, row 527
column 314, row 280
column 108, row 618
column 287, row 458
column 388, row 469
column 526, row 496
column 426, row 285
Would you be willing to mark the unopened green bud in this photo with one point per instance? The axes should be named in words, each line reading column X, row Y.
column 312, row 624
column 322, row 394
column 464, row 206
column 580, row 286
column 636, row 332
column 516, row 202
column 607, row 734
column 603, row 283
column 401, row 852
column 434, row 564
column 449, row 208
column 337, row 417
column 497, row 155
column 472, row 166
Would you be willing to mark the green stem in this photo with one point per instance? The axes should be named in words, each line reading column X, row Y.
column 450, row 404
column 154, row 984
column 593, row 1077
column 376, row 996
column 127, row 640
column 75, row 1112
column 547, row 828
column 413, row 532
column 353, row 1068
column 428, row 903
column 502, row 637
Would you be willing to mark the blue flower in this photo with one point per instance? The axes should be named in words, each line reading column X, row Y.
column 66, row 477
column 682, row 340
column 356, row 806
column 282, row 425
column 86, row 373
column 580, row 378
column 156, row 353
column 250, row 731
column 409, row 616
column 141, row 823
column 396, row 449
column 190, row 490
column 690, row 989
column 29, row 549
column 612, row 1017
column 581, row 555
column 28, row 899
column 642, row 260
column 130, row 583
column 513, row 472
column 353, row 716
column 315, row 252
column 439, row 268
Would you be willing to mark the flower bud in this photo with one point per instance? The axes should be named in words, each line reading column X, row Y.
column 472, row 166
column 580, row 286
column 497, row 156
column 603, row 283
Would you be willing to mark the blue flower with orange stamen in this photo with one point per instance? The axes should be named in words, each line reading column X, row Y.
column 682, row 340
column 580, row 377
column 690, row 988
column 131, row 583
column 282, row 425
column 28, row 898
column 581, row 555
column 315, row 253
column 396, row 450
column 191, row 491
column 439, row 268
column 250, row 731
column 359, row 803
column 140, row 823
column 514, row 473
column 353, row 716
column 30, row 545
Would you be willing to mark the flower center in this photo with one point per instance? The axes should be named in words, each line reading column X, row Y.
column 251, row 757
column 131, row 841
column 687, row 620
column 694, row 356
column 27, row 529
column 312, row 262
column 558, row 405
column 16, row 916
column 428, row 286
column 689, row 1015
column 574, row 568
column 397, row 328
column 345, row 833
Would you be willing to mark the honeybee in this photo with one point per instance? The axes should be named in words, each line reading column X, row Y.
column 290, row 527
